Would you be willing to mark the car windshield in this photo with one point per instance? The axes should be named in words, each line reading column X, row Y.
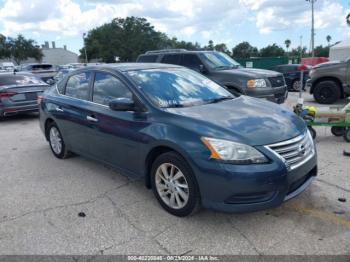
column 19, row 80
column 219, row 61
column 178, row 87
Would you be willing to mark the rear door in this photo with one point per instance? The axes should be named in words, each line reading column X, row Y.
column 116, row 137
column 173, row 59
column 72, row 111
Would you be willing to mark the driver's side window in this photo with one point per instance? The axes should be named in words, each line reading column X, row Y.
column 107, row 87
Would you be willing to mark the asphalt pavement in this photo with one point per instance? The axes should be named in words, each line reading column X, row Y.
column 77, row 206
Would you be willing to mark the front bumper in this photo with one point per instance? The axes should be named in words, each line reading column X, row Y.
column 277, row 94
column 239, row 188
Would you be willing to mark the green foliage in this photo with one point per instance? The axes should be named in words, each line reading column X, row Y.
column 244, row 50
column 297, row 52
column 287, row 44
column 126, row 39
column 321, row 51
column 19, row 48
column 272, row 51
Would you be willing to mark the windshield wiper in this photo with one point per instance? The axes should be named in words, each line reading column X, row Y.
column 219, row 99
column 226, row 67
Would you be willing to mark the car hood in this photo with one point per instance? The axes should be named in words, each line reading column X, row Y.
column 243, row 119
column 250, row 73
column 329, row 64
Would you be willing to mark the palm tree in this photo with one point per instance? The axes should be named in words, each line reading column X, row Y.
column 287, row 43
column 329, row 39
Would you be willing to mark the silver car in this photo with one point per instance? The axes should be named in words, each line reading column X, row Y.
column 19, row 93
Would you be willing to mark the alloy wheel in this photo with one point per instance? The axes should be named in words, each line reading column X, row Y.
column 172, row 186
column 55, row 140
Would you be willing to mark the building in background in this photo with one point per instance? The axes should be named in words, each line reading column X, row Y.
column 52, row 55
column 58, row 55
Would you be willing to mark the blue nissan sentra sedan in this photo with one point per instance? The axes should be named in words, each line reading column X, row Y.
column 195, row 143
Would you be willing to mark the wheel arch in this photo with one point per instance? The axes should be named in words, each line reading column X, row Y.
column 48, row 122
column 151, row 157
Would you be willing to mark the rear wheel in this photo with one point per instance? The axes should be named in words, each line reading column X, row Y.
column 174, row 185
column 56, row 142
column 327, row 92
column 296, row 85
column 338, row 131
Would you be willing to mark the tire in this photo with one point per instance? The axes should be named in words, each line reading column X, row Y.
column 296, row 85
column 178, row 200
column 338, row 131
column 56, row 142
column 327, row 92
column 347, row 135
column 313, row 132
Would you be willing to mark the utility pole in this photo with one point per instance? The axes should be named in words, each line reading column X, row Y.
column 312, row 26
column 86, row 58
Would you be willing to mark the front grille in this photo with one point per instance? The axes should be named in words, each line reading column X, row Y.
column 295, row 151
column 277, row 81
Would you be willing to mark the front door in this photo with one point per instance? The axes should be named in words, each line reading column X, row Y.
column 117, row 136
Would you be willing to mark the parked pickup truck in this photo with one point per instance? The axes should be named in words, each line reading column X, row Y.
column 222, row 69
column 330, row 81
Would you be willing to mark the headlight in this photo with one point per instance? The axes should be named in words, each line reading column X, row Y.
column 233, row 152
column 256, row 83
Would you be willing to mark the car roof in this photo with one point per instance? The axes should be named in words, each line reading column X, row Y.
column 123, row 67
column 170, row 52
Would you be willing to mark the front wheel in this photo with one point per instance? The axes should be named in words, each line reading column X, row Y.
column 338, row 131
column 174, row 185
column 347, row 135
column 327, row 92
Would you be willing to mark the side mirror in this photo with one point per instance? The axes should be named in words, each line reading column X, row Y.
column 50, row 81
column 122, row 104
column 202, row 69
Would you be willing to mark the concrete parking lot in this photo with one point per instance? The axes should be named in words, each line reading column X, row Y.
column 41, row 198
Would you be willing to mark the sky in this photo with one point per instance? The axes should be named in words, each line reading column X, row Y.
column 260, row 22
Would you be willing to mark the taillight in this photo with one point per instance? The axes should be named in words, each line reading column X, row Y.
column 40, row 99
column 7, row 94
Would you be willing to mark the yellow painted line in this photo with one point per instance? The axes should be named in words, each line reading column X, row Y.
column 330, row 217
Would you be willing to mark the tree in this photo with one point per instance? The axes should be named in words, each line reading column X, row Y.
column 329, row 39
column 4, row 48
column 298, row 52
column 287, row 43
column 321, row 51
column 222, row 48
column 20, row 49
column 126, row 38
column 210, row 45
column 272, row 51
column 244, row 50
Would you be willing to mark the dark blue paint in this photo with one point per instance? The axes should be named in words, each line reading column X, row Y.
column 125, row 140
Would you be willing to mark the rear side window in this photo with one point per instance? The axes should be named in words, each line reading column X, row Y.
column 172, row 59
column 191, row 61
column 147, row 58
column 107, row 87
column 8, row 80
column 78, row 86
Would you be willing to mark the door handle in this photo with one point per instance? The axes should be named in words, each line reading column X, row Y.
column 58, row 109
column 91, row 119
